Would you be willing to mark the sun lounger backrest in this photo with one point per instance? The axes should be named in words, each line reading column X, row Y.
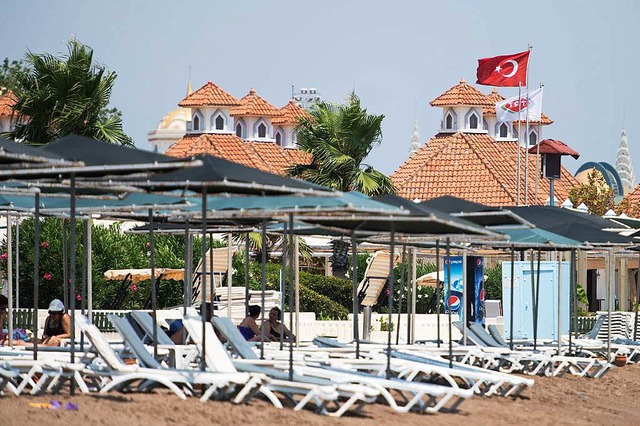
column 234, row 337
column 145, row 320
column 133, row 341
column 495, row 333
column 100, row 344
column 327, row 342
column 482, row 333
column 375, row 277
column 470, row 335
column 217, row 357
column 217, row 272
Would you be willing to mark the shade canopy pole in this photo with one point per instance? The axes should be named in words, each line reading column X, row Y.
column 229, row 271
column 390, row 297
column 203, row 279
column 511, row 298
column 72, row 265
column 154, row 293
column 635, row 325
column 263, row 282
column 283, row 278
column 402, row 272
column 296, row 279
column 572, row 294
column 536, row 306
column 246, row 273
column 448, row 262
column 187, row 273
column 18, row 263
column 65, row 265
column 90, row 269
column 354, row 282
column 414, row 293
column 438, row 292
column 611, row 276
column 465, row 303
column 9, row 281
column 291, row 302
column 36, row 270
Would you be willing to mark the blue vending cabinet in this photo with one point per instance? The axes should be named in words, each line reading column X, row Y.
column 523, row 300
column 475, row 287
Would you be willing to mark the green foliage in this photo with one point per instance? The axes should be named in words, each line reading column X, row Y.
column 595, row 194
column 61, row 96
column 9, row 71
column 111, row 249
column 339, row 137
column 493, row 283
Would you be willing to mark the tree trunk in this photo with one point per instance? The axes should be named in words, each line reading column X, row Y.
column 340, row 258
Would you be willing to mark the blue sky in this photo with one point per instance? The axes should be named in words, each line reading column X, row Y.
column 396, row 55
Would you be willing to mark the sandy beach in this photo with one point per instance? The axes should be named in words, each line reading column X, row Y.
column 611, row 400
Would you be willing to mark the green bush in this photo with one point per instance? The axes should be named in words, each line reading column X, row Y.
column 493, row 283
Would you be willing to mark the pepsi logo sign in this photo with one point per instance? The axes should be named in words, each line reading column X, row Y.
column 454, row 302
column 481, row 294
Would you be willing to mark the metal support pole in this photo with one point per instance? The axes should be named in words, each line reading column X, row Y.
column 635, row 325
column 537, row 304
column 154, row 293
column 533, row 299
column 9, row 281
column 438, row 292
column 511, row 298
column 559, row 302
column 203, row 280
column 402, row 272
column 390, row 298
column 283, row 278
column 296, row 281
column 65, row 265
column 291, row 303
column 263, row 282
column 186, row 277
column 354, row 282
column 246, row 273
column 465, row 300
column 36, row 270
column 610, row 299
column 90, row 269
column 447, row 305
column 72, row 269
column 414, row 262
column 18, row 263
column 229, row 271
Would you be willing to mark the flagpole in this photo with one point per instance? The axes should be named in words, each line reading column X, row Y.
column 538, row 154
column 518, row 146
column 526, row 151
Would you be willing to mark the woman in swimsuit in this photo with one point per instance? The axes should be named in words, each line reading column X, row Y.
column 272, row 327
column 57, row 326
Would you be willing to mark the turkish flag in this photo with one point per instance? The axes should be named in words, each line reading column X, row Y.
column 504, row 71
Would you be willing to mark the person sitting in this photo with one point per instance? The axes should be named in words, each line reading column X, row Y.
column 273, row 327
column 20, row 336
column 57, row 326
column 176, row 329
column 249, row 328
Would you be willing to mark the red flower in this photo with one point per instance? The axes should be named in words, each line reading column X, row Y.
column 133, row 287
column 46, row 276
column 148, row 245
column 78, row 297
column 44, row 245
column 4, row 256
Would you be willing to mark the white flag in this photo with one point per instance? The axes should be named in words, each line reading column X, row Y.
column 530, row 105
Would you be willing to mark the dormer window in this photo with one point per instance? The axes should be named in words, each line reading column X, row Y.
column 240, row 129
column 533, row 137
column 196, row 121
column 504, row 130
column 279, row 137
column 262, row 130
column 473, row 121
column 219, row 122
column 450, row 120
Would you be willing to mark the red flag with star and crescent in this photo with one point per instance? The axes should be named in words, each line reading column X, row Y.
column 504, row 71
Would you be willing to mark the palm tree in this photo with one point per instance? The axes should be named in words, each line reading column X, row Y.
column 69, row 95
column 339, row 137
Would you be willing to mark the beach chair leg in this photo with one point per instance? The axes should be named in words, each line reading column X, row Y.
column 253, row 383
column 268, row 393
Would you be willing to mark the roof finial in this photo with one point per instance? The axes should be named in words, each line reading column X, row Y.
column 462, row 81
column 415, row 138
column 252, row 91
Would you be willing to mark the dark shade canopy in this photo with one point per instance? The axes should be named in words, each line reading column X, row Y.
column 479, row 214
column 586, row 228
column 12, row 153
column 219, row 175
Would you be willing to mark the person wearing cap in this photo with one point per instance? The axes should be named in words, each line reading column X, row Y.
column 57, row 326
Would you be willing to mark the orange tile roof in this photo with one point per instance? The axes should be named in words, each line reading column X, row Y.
column 209, row 95
column 7, row 101
column 632, row 200
column 291, row 114
column 462, row 94
column 255, row 106
column 553, row 146
column 496, row 97
column 264, row 156
column 474, row 167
